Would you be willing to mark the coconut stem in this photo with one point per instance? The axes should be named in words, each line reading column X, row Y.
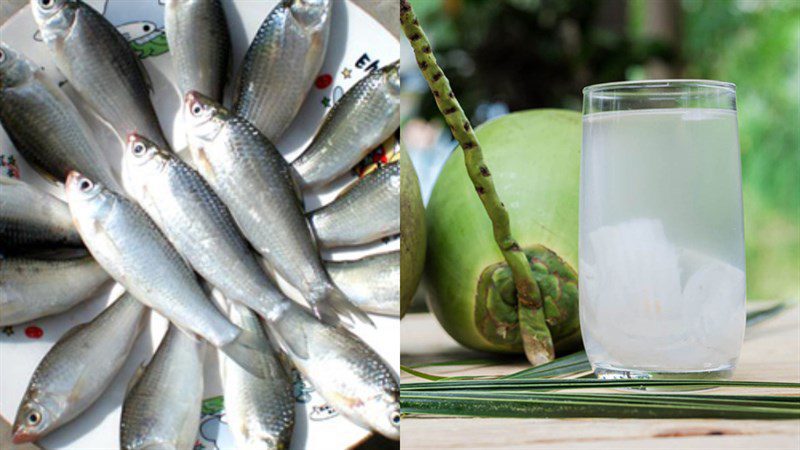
column 536, row 337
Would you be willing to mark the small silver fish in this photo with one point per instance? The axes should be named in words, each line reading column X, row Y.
column 367, row 212
column 200, row 45
column 365, row 116
column 259, row 411
column 372, row 283
column 281, row 64
column 129, row 246
column 78, row 369
column 31, row 219
column 198, row 224
column 345, row 371
column 44, row 125
column 246, row 171
column 100, row 64
column 35, row 288
column 162, row 407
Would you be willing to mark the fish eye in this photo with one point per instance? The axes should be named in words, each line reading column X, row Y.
column 85, row 185
column 34, row 418
column 47, row 4
column 395, row 418
column 197, row 108
column 146, row 28
column 139, row 149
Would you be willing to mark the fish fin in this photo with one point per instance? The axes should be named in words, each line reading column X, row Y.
column 334, row 303
column 292, row 181
column 48, row 177
column 267, row 266
column 245, row 350
column 253, row 340
column 147, row 81
column 297, row 346
column 349, row 187
column 137, row 375
column 202, row 163
column 101, row 235
column 286, row 364
column 81, row 384
column 72, row 331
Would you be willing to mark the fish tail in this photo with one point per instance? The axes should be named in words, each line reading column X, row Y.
column 329, row 303
column 246, row 351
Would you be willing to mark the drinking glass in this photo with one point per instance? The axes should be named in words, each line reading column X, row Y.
column 661, row 267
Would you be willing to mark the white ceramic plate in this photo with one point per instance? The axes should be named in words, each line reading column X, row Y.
column 357, row 44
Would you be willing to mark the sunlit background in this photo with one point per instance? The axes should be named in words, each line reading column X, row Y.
column 509, row 55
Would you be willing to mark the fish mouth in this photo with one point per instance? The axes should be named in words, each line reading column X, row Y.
column 20, row 436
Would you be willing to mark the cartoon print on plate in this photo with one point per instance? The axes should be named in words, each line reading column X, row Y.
column 9, row 165
column 322, row 412
column 387, row 153
column 212, row 434
column 364, row 62
column 302, row 388
column 146, row 34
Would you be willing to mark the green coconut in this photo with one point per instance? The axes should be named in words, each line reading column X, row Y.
column 534, row 158
column 412, row 233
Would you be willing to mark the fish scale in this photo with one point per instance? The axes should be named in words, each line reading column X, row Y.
column 199, row 43
column 196, row 221
column 44, row 125
column 31, row 219
column 259, row 412
column 279, row 237
column 372, row 283
column 33, row 288
column 251, row 177
column 376, row 196
column 78, row 368
column 131, row 248
column 281, row 64
column 101, row 66
column 345, row 371
column 162, row 407
column 367, row 114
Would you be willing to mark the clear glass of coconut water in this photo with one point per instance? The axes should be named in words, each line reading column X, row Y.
column 662, row 280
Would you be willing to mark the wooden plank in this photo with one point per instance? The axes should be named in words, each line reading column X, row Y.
column 771, row 353
column 453, row 433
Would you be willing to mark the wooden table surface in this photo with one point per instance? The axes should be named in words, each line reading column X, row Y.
column 771, row 353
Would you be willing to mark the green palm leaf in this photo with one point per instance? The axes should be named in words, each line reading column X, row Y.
column 526, row 404
column 529, row 393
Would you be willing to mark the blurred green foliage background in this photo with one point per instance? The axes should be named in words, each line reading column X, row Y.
column 540, row 53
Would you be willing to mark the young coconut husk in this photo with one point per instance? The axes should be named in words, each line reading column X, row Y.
column 519, row 297
column 412, row 233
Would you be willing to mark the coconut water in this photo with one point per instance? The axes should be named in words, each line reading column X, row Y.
column 661, row 264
